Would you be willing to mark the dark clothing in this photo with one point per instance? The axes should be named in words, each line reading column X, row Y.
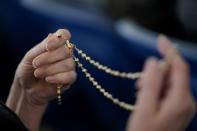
column 9, row 120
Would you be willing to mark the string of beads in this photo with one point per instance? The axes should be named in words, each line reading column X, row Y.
column 107, row 70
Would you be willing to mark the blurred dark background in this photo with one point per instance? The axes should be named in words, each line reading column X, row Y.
column 118, row 33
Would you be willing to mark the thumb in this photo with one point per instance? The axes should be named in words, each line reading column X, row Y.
column 37, row 50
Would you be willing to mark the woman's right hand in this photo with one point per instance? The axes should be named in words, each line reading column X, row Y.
column 164, row 102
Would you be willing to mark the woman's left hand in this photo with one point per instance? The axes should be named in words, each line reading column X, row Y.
column 43, row 68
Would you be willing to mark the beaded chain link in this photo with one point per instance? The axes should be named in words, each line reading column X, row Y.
column 59, row 94
column 102, row 90
column 107, row 70
column 116, row 73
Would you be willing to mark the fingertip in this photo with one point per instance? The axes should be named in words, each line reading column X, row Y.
column 50, row 35
column 36, row 74
column 64, row 33
column 34, row 64
column 149, row 63
column 163, row 44
column 50, row 79
column 58, row 39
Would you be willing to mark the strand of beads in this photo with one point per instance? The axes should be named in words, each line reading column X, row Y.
column 108, row 70
column 105, row 93
column 59, row 94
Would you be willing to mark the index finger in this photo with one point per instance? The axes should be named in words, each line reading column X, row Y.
column 61, row 36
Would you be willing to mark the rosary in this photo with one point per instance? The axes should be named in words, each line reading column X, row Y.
column 107, row 70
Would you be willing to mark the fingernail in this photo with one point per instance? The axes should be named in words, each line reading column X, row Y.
column 36, row 63
column 38, row 74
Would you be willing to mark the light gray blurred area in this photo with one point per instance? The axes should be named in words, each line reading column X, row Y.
column 184, row 10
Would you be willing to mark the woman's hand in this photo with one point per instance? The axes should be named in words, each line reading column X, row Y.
column 164, row 102
column 42, row 69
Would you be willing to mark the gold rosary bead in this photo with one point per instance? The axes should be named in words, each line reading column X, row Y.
column 138, row 75
column 88, row 75
column 109, row 96
column 59, row 97
column 80, row 65
column 84, row 70
column 102, row 90
column 88, row 58
column 130, row 107
column 122, row 104
column 123, row 75
column 96, row 64
column 80, row 52
column 100, row 66
column 83, row 55
column 58, row 91
column 98, row 87
column 130, row 75
column 116, row 73
column 105, row 67
column 108, row 70
column 76, row 60
column 95, row 83
column 92, row 61
column 106, row 93
column 91, row 79
column 116, row 101
column 126, row 107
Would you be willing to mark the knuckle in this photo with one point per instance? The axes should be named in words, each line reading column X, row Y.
column 70, row 64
